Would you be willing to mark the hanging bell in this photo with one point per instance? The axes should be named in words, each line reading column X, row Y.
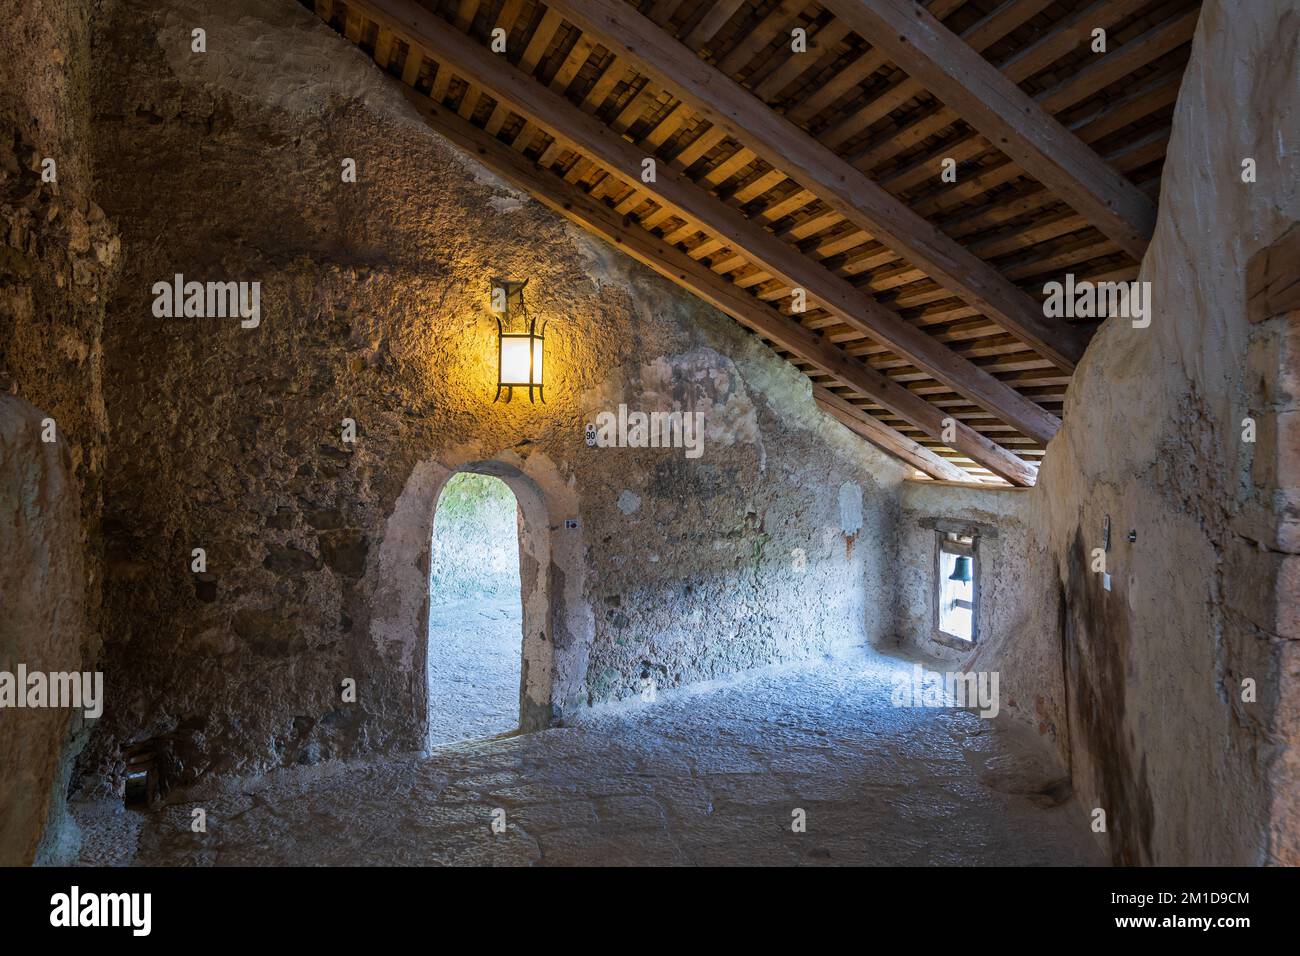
column 961, row 570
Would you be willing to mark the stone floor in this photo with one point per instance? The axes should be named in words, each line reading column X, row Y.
column 474, row 651
column 710, row 775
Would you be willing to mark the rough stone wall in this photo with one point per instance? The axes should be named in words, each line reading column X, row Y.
column 57, row 255
column 1019, row 598
column 1159, row 735
column 226, row 166
column 57, row 251
column 44, row 621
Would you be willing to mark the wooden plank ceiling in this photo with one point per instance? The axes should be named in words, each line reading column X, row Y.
column 815, row 177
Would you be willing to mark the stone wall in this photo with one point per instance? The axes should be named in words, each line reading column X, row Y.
column 773, row 545
column 1161, row 737
column 1019, row 603
column 1160, row 732
column 42, row 629
column 57, row 256
column 640, row 564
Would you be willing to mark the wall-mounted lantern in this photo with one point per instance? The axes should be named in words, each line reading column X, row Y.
column 519, row 353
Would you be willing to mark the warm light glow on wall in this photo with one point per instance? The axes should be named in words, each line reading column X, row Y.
column 520, row 354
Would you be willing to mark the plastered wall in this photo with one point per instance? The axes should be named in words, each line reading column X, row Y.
column 1157, row 727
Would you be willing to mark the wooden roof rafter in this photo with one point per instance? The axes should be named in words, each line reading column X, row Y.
column 765, row 222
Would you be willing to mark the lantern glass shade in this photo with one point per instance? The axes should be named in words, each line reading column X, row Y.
column 518, row 366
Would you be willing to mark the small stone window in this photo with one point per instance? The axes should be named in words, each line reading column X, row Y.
column 956, row 586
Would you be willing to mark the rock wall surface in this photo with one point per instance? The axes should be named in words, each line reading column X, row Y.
column 1161, row 737
column 1160, row 732
column 58, row 253
column 1018, row 597
column 42, row 629
column 226, row 166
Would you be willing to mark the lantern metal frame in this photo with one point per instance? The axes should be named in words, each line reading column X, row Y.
column 536, row 374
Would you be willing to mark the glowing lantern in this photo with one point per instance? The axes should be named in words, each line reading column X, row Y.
column 519, row 354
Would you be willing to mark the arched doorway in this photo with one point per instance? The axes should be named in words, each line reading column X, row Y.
column 475, row 610
column 488, row 658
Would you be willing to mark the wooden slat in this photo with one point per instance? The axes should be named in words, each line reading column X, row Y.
column 999, row 109
column 855, row 72
column 886, row 438
column 573, row 62
column 1273, row 279
column 465, row 12
column 675, row 265
column 604, row 84
column 539, row 41
column 747, row 120
column 411, row 68
column 835, row 87
column 754, row 40
column 720, row 11
column 353, row 27
column 384, row 48
column 796, row 64
column 978, row 37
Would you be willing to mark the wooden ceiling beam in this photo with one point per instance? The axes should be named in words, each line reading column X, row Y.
column 998, row 108
column 978, row 37
column 541, row 106
column 853, row 73
column 781, row 143
column 1098, row 123
column 1018, row 68
column 1074, row 89
column 886, row 438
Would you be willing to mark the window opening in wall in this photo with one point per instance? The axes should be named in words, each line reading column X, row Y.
column 957, row 586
